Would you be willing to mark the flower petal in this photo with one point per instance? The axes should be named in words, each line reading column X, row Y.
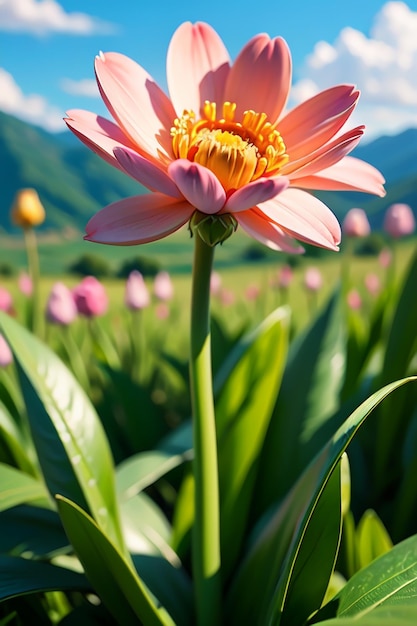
column 326, row 156
column 97, row 133
column 139, row 219
column 254, row 193
column 146, row 172
column 304, row 217
column 198, row 185
column 136, row 102
column 269, row 234
column 349, row 174
column 197, row 67
column 260, row 78
column 315, row 121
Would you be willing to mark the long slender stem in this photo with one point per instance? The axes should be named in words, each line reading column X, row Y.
column 206, row 531
column 33, row 263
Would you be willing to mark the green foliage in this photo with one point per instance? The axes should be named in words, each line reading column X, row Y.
column 144, row 265
column 90, row 265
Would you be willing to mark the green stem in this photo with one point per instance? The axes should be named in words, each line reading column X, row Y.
column 33, row 265
column 206, row 529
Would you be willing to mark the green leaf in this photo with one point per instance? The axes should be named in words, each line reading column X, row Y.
column 110, row 573
column 16, row 488
column 284, row 526
column 22, row 576
column 391, row 616
column 19, row 451
column 72, row 448
column 243, row 410
column 309, row 565
column 33, row 531
column 389, row 580
column 143, row 469
column 308, row 398
column 372, row 539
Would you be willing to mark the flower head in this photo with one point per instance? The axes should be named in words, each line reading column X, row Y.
column 356, row 223
column 313, row 279
column 25, row 284
column 27, row 210
column 6, row 356
column 136, row 292
column 90, row 297
column 399, row 220
column 163, row 287
column 216, row 149
column 60, row 307
column 6, row 300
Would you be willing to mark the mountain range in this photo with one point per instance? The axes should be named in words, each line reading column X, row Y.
column 73, row 183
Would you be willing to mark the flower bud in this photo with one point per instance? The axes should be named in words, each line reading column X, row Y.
column 213, row 229
column 90, row 297
column 136, row 292
column 61, row 308
column 27, row 209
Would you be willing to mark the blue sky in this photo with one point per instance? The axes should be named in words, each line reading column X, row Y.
column 48, row 49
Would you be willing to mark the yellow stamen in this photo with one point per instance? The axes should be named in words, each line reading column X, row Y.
column 237, row 152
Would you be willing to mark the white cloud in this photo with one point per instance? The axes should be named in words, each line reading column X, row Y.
column 40, row 17
column 85, row 87
column 32, row 108
column 383, row 66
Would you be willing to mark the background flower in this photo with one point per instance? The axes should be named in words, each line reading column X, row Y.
column 90, row 297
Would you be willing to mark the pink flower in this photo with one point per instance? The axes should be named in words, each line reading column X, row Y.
column 25, row 284
column 227, row 297
column 399, row 220
column 313, row 279
column 221, row 146
column 252, row 292
column 372, row 284
column 6, row 356
column 136, row 292
column 6, row 300
column 215, row 283
column 163, row 287
column 285, row 277
column 90, row 297
column 354, row 300
column 60, row 307
column 162, row 311
column 356, row 223
column 385, row 258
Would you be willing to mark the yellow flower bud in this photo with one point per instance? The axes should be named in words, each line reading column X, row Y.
column 27, row 209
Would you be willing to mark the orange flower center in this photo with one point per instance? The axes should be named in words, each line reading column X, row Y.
column 237, row 152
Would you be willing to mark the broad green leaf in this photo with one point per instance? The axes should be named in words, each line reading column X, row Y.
column 72, row 448
column 16, row 488
column 22, row 576
column 243, row 409
column 32, row 531
column 309, row 565
column 109, row 572
column 145, row 527
column 308, row 398
column 372, row 539
column 390, row 616
column 143, row 469
column 183, row 516
column 284, row 526
column 390, row 580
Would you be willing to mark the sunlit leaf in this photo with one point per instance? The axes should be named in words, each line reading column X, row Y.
column 72, row 448
column 109, row 572
column 16, row 488
column 372, row 539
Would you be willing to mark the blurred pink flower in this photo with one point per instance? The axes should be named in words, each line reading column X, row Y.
column 399, row 220
column 252, row 292
column 25, row 284
column 385, row 258
column 6, row 356
column 356, row 223
column 90, row 297
column 354, row 300
column 6, row 300
column 227, row 297
column 136, row 292
column 163, row 287
column 60, row 307
column 285, row 277
column 215, row 283
column 372, row 284
column 313, row 280
column 216, row 148
column 162, row 311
